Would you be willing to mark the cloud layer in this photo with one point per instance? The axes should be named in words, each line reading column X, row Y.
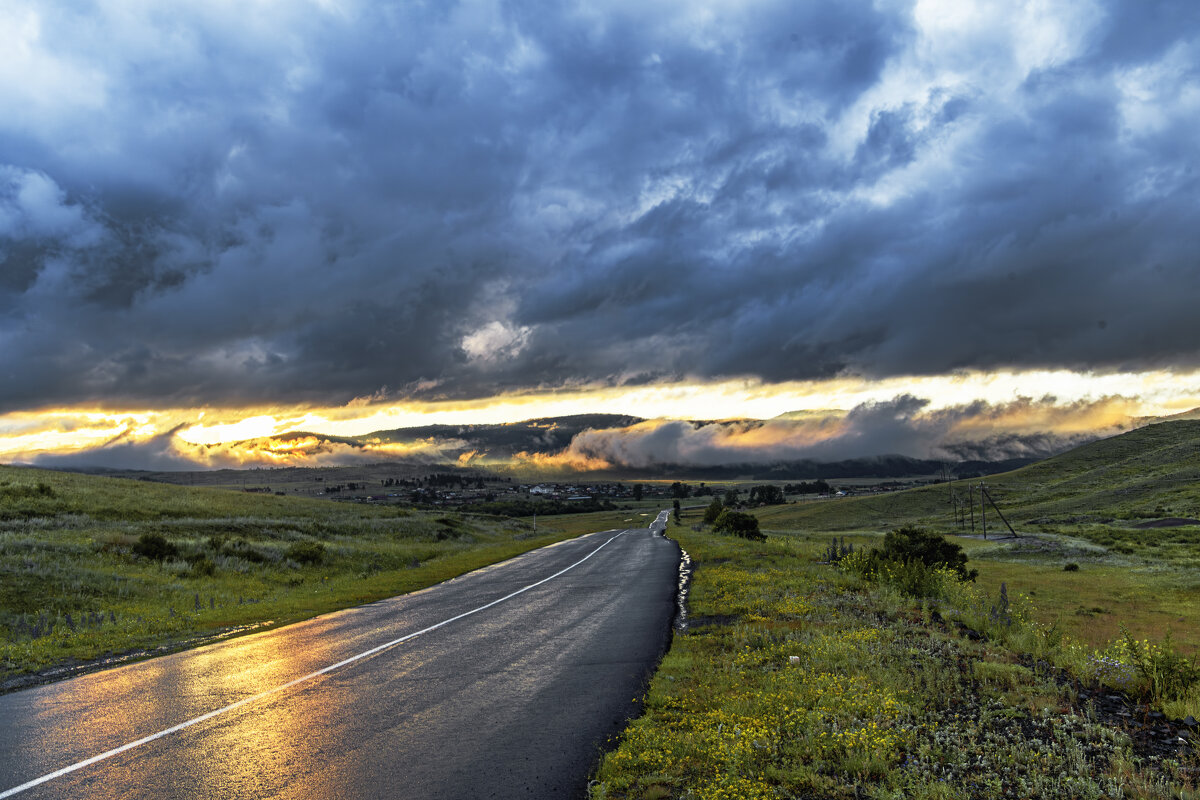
column 236, row 203
column 904, row 426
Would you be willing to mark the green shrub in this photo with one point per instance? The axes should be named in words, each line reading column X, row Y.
column 911, row 543
column 155, row 546
column 203, row 568
column 913, row 561
column 1072, row 567
column 737, row 523
column 242, row 549
column 306, row 552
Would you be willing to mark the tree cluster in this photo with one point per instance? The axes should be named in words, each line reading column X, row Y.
column 766, row 496
column 807, row 487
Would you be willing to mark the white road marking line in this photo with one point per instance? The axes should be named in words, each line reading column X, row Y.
column 146, row 739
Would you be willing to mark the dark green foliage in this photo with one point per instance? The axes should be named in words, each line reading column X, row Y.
column 203, row 568
column 155, row 546
column 731, row 497
column 766, row 496
column 242, row 549
column 713, row 511
column 735, row 523
column 1072, row 567
column 804, row 487
column 911, row 543
column 836, row 552
column 306, row 552
column 680, row 490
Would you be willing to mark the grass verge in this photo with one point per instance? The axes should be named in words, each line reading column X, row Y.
column 797, row 679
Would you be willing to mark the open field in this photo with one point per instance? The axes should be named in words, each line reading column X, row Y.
column 83, row 575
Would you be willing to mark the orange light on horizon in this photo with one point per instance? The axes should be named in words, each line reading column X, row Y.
column 1055, row 400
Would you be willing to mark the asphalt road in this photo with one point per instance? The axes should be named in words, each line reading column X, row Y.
column 443, row 696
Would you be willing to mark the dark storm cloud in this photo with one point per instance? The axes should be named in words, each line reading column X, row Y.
column 235, row 203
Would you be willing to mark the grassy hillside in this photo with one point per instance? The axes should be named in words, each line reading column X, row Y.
column 91, row 566
column 1146, row 474
column 1096, row 507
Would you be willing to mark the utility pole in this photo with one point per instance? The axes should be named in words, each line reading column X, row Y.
column 1000, row 514
column 982, row 510
column 971, row 499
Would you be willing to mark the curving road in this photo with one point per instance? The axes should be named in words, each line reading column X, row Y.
column 503, row 683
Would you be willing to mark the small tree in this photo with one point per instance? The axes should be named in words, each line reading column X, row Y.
column 738, row 524
column 637, row 491
column 713, row 511
column 676, row 506
column 731, row 497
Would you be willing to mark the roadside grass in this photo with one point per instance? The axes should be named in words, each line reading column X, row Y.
column 76, row 583
column 799, row 679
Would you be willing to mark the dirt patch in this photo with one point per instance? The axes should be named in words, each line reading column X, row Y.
column 1169, row 522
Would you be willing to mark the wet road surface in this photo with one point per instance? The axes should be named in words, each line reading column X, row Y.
column 503, row 683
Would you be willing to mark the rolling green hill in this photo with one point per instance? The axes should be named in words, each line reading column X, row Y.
column 1123, row 511
column 1111, row 484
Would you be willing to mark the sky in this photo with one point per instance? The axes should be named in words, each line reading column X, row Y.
column 224, row 220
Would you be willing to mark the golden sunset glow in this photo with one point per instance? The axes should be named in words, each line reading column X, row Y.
column 1016, row 402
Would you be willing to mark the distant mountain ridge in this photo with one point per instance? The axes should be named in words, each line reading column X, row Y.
column 494, row 446
column 504, row 440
